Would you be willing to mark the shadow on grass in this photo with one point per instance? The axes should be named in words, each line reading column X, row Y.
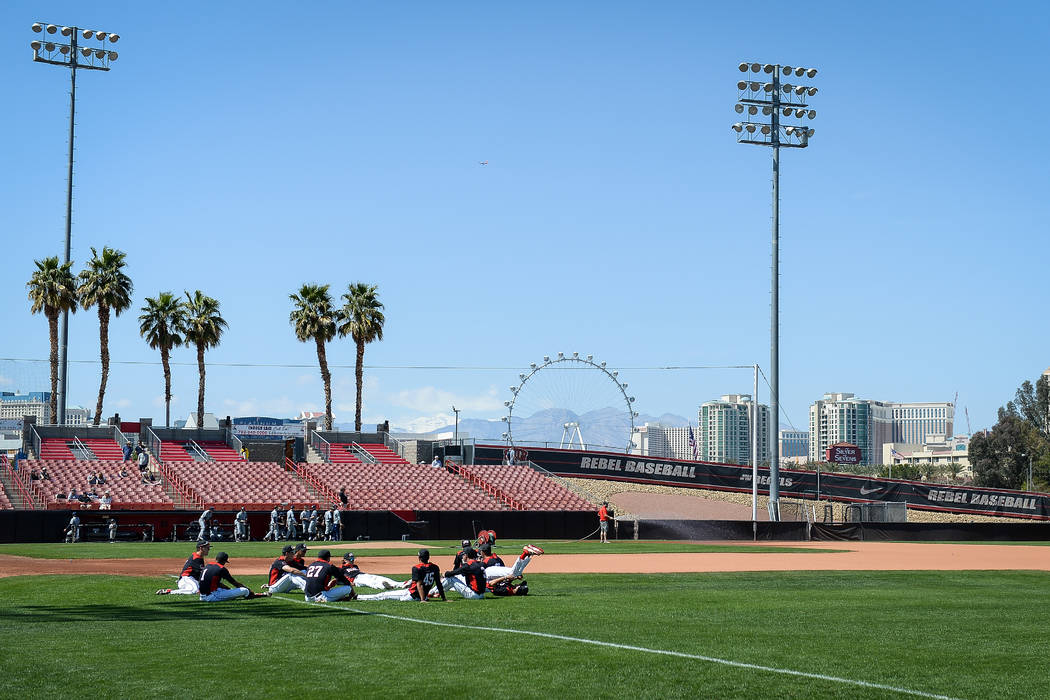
column 159, row 612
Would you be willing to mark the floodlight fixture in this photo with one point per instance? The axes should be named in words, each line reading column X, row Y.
column 89, row 58
column 779, row 103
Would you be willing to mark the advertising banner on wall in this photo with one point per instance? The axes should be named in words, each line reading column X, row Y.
column 793, row 483
column 259, row 428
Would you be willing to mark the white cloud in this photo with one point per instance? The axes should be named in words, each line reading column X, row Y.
column 422, row 424
column 122, row 403
column 6, row 381
column 430, row 399
column 281, row 407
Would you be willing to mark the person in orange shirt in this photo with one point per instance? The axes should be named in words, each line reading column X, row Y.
column 603, row 522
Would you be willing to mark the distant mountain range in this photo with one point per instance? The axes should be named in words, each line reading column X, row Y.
column 607, row 427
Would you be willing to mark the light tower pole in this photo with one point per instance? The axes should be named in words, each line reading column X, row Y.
column 760, row 100
column 47, row 50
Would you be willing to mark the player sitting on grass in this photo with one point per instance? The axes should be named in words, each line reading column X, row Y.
column 213, row 590
column 320, row 579
column 424, row 575
column 469, row 578
column 190, row 578
column 284, row 574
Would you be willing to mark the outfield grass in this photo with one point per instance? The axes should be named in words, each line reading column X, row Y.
column 163, row 550
column 959, row 634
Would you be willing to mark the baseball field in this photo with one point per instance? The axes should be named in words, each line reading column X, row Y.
column 641, row 619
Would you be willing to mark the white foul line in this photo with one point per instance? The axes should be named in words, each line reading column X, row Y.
column 629, row 647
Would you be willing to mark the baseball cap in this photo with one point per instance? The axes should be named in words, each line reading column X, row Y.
column 286, row 549
column 324, row 554
column 222, row 558
column 349, row 556
column 203, row 543
column 465, row 544
column 301, row 547
column 424, row 555
column 470, row 553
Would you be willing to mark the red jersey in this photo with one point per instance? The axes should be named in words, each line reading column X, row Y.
column 603, row 514
column 277, row 570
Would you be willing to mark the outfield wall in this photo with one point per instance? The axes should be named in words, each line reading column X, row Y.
column 848, row 488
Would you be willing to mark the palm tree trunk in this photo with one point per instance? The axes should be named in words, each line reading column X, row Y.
column 200, row 387
column 358, row 372
column 103, row 343
column 52, row 327
column 167, row 386
column 326, row 377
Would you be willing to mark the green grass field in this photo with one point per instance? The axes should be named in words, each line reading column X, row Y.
column 954, row 634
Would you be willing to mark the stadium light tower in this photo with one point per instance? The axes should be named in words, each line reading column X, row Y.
column 51, row 49
column 775, row 114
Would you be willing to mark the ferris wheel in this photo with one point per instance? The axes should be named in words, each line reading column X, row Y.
column 572, row 402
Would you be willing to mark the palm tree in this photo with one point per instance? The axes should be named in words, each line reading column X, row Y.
column 363, row 321
column 52, row 289
column 203, row 326
column 161, row 324
column 104, row 284
column 315, row 319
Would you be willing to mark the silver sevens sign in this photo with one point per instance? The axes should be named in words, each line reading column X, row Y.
column 843, row 453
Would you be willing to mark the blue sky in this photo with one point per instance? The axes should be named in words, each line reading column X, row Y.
column 247, row 148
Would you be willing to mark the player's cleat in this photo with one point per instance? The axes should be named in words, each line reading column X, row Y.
column 163, row 591
column 531, row 550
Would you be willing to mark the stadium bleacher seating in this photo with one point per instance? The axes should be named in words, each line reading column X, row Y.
column 255, row 485
column 401, row 486
column 106, row 450
column 339, row 453
column 55, row 448
column 528, row 487
column 383, row 453
column 128, row 492
column 174, row 452
column 220, row 451
column 5, row 502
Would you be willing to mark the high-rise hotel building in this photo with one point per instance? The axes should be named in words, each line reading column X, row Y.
column 724, row 430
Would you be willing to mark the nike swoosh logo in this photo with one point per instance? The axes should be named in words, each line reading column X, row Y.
column 864, row 490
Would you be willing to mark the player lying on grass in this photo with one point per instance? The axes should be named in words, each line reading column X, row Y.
column 424, row 575
column 192, row 570
column 321, row 577
column 285, row 572
column 213, row 590
column 359, row 578
column 495, row 568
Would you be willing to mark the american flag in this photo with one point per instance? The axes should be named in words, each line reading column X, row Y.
column 896, row 454
column 692, row 442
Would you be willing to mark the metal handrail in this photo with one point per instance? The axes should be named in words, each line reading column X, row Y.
column 234, row 441
column 119, row 436
column 309, row 477
column 77, row 443
column 205, row 457
column 187, row 492
column 323, row 447
column 153, row 443
column 398, row 446
column 23, row 492
column 35, row 439
column 363, row 454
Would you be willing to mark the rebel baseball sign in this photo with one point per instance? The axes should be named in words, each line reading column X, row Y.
column 842, row 453
column 793, row 483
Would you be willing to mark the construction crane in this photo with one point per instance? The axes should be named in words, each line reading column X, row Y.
column 969, row 430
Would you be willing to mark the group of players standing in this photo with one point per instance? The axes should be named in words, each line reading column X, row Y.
column 313, row 525
column 475, row 571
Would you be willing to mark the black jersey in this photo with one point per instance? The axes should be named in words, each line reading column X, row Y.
column 473, row 573
column 492, row 560
column 277, row 569
column 297, row 563
column 423, row 577
column 351, row 571
column 320, row 573
column 214, row 575
column 194, row 566
column 458, row 561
